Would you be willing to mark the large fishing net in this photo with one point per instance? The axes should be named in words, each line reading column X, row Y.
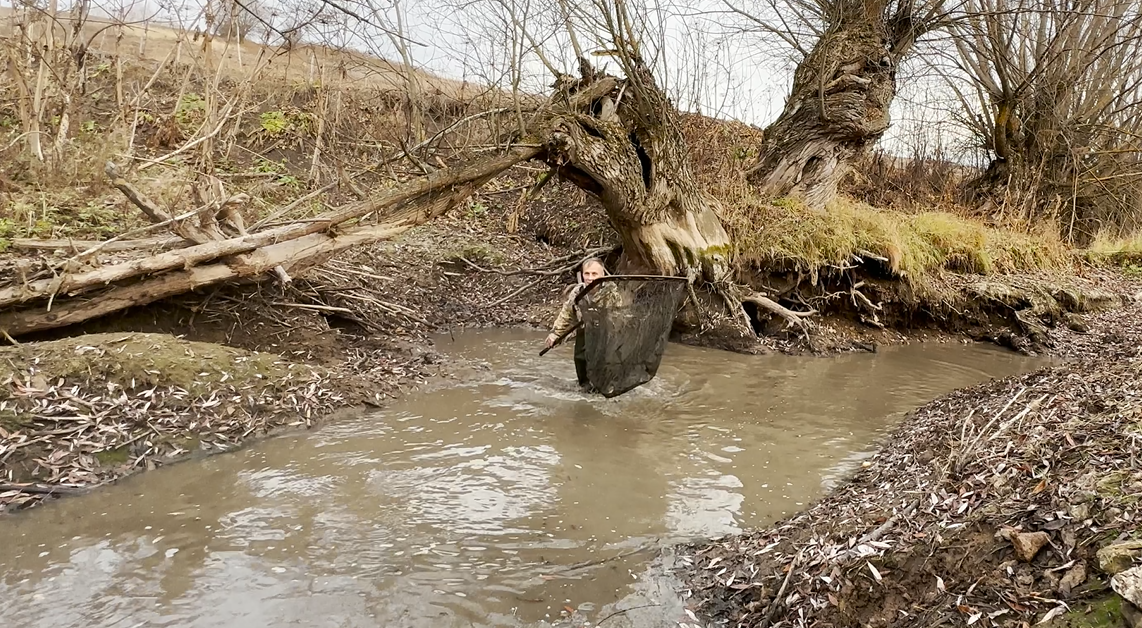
column 626, row 322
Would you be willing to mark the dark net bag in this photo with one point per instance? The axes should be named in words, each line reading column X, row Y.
column 626, row 322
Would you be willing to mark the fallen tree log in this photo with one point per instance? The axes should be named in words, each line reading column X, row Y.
column 292, row 246
column 71, row 284
column 160, row 243
column 294, row 254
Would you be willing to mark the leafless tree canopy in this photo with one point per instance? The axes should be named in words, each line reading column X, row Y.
column 1051, row 90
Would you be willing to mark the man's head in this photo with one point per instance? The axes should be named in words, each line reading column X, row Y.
column 593, row 269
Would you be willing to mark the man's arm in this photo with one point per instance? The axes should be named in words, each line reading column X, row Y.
column 566, row 318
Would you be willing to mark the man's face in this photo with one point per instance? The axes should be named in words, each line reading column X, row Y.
column 592, row 272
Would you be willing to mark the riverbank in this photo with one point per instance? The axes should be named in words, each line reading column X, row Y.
column 359, row 326
column 987, row 506
column 80, row 412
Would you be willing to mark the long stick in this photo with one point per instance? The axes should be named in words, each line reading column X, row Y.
column 561, row 337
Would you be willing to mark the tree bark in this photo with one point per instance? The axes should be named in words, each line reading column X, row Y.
column 838, row 107
column 634, row 158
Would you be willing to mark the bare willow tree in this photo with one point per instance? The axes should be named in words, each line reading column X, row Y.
column 844, row 84
column 633, row 157
column 1055, row 96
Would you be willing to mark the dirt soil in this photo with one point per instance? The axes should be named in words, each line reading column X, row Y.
column 926, row 533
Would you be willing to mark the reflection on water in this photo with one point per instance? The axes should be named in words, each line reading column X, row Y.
column 489, row 503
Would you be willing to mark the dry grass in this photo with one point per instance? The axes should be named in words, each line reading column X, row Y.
column 153, row 42
column 918, row 240
column 1126, row 251
column 917, row 244
column 267, row 152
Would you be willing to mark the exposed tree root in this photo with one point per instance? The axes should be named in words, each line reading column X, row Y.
column 792, row 318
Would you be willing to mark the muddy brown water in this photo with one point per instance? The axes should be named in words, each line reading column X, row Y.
column 502, row 499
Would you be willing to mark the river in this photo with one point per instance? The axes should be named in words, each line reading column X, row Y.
column 503, row 498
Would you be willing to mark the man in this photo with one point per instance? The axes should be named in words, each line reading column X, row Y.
column 569, row 315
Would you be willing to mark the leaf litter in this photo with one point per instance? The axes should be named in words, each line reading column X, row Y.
column 927, row 533
column 80, row 412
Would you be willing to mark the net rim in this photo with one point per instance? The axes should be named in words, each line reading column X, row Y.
column 605, row 278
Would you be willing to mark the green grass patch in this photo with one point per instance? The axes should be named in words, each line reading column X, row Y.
column 1119, row 485
column 60, row 215
column 917, row 244
column 1102, row 612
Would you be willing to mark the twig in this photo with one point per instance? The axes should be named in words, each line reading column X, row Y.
column 516, row 293
column 1031, row 406
column 391, row 308
column 36, row 489
column 169, row 221
column 600, row 561
column 771, row 612
column 963, row 455
column 226, row 117
column 309, row 306
column 621, row 611
column 364, row 274
column 887, row 525
column 441, row 134
column 281, row 212
column 400, row 309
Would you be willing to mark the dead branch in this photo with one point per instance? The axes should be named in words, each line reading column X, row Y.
column 792, row 319
column 860, row 300
column 108, row 246
column 774, row 605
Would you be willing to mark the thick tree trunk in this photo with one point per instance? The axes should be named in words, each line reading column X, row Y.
column 839, row 103
column 633, row 157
